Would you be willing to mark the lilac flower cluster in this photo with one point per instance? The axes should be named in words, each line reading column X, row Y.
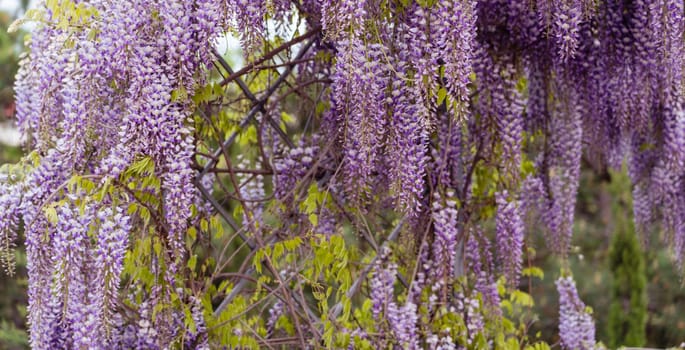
column 509, row 237
column 382, row 284
column 136, row 334
column 382, row 95
column 470, row 311
column 91, row 100
column 84, row 274
column 563, row 174
column 249, row 20
column 480, row 263
column 453, row 43
column 72, row 278
column 112, row 240
column 10, row 199
column 252, row 193
column 364, row 115
column 499, row 106
column 446, row 236
column 340, row 18
column 409, row 156
column 197, row 338
column 275, row 312
column 290, row 168
column 401, row 319
column 406, row 321
column 566, row 27
column 576, row 327
column 448, row 162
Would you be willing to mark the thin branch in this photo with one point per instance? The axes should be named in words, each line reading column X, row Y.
column 250, row 67
column 255, row 109
column 335, row 311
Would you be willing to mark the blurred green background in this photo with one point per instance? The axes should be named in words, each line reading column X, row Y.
column 601, row 209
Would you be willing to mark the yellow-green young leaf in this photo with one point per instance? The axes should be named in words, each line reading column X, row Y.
column 513, row 344
column 278, row 251
column 501, row 286
column 132, row 209
column 179, row 94
column 93, row 33
column 313, row 219
column 647, row 146
column 100, row 195
column 480, row 342
column 347, row 309
column 215, row 223
column 442, row 94
column 157, row 246
column 538, row 346
column 51, row 214
column 192, row 262
column 141, row 166
column 223, row 286
column 86, row 184
column 238, row 211
column 257, row 261
column 321, row 107
column 527, row 167
column 533, row 272
column 522, row 298
column 247, row 136
column 292, row 244
column 192, row 233
column 506, row 305
column 189, row 321
column 310, row 203
column 287, row 118
column 34, row 14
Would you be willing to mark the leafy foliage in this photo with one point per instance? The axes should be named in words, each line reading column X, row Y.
column 628, row 309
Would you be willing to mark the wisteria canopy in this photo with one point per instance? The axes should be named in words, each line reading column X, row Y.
column 369, row 179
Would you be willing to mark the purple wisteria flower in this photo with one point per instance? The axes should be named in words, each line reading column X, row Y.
column 576, row 327
column 444, row 217
column 509, row 237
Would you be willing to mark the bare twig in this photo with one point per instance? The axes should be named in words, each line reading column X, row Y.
column 250, row 67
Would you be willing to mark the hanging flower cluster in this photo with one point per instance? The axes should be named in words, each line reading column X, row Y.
column 95, row 95
column 576, row 327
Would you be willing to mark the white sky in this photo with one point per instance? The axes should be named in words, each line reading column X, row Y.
column 10, row 5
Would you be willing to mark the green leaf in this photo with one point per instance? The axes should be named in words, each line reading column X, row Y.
column 314, row 219
column 442, row 94
column 533, row 272
column 51, row 214
column 522, row 298
column 192, row 262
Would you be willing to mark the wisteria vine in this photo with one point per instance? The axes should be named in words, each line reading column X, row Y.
column 448, row 123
